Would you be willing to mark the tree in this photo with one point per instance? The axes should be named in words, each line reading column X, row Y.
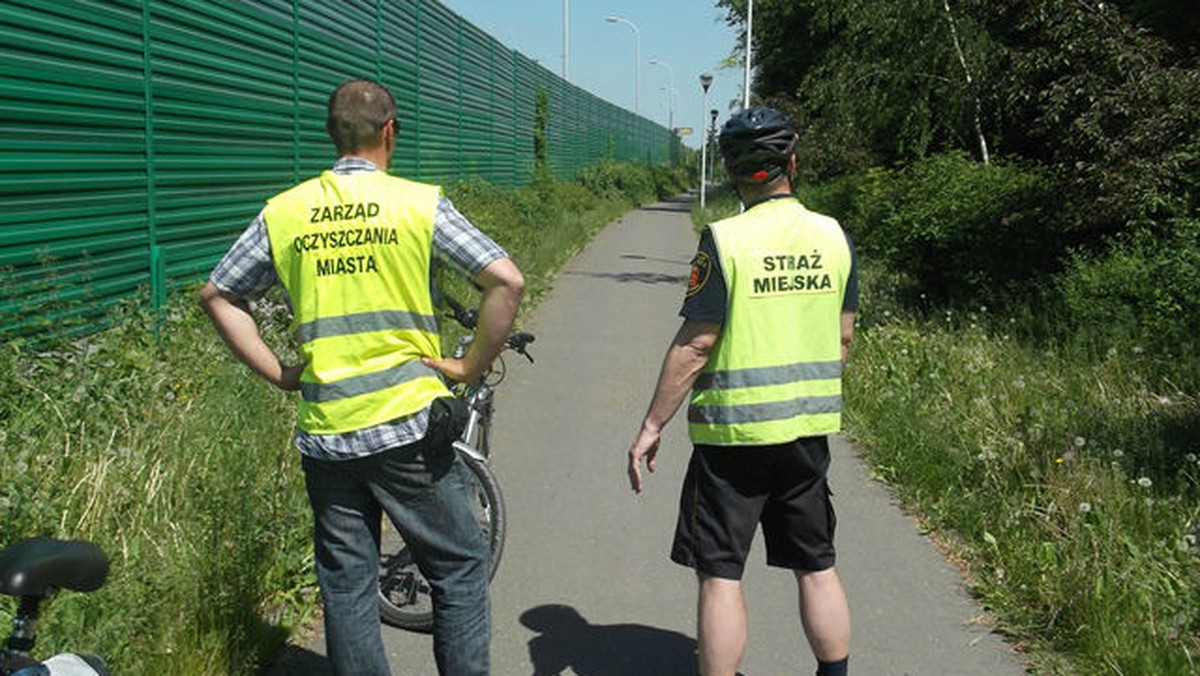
column 870, row 81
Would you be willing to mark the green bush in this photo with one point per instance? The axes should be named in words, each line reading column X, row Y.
column 1143, row 288
column 602, row 178
column 670, row 181
column 962, row 229
column 632, row 181
column 833, row 198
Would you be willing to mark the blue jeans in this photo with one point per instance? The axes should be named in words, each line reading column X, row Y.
column 423, row 487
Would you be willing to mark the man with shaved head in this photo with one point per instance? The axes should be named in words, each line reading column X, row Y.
column 353, row 249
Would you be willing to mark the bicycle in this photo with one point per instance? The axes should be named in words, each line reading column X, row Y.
column 34, row 570
column 404, row 599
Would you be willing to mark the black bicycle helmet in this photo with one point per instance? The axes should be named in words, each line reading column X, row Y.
column 757, row 143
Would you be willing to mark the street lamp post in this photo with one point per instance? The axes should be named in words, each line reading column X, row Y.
column 567, row 40
column 637, row 73
column 705, row 81
column 670, row 92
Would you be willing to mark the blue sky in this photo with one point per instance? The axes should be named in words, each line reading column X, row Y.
column 690, row 35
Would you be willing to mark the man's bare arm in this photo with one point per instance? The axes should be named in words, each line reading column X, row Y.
column 686, row 357
column 236, row 326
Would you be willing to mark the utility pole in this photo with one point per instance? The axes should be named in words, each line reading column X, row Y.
column 749, row 62
column 705, row 81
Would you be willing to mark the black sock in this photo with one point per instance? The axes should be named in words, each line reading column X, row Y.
column 838, row 668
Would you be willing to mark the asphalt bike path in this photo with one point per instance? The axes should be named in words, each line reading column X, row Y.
column 585, row 586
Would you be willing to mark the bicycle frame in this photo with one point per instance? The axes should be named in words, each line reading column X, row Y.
column 473, row 440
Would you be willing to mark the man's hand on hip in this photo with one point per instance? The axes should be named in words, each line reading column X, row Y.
column 457, row 370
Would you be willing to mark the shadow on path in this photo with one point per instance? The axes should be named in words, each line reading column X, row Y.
column 566, row 640
column 640, row 257
column 296, row 661
column 671, row 208
column 634, row 277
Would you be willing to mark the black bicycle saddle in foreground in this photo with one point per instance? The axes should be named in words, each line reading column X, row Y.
column 38, row 566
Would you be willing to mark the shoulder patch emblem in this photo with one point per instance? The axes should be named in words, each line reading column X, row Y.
column 701, row 271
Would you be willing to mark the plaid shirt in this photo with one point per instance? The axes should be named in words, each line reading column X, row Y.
column 247, row 271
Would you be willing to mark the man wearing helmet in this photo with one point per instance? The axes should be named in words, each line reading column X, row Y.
column 767, row 324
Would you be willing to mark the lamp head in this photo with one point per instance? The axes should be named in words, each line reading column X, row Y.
column 706, row 80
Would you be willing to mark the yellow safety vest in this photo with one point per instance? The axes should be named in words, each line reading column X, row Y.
column 353, row 252
column 775, row 372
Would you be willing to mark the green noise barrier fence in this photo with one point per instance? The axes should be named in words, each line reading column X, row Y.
column 139, row 137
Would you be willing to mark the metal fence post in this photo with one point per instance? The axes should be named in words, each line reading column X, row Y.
column 417, row 126
column 458, row 58
column 157, row 294
column 295, row 91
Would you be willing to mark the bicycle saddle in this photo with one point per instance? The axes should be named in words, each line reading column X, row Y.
column 38, row 565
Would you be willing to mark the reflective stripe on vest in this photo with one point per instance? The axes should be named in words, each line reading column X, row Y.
column 363, row 322
column 353, row 252
column 775, row 373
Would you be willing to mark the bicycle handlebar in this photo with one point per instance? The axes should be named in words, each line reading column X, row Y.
column 469, row 319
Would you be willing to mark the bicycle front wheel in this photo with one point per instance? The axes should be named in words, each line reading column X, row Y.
column 404, row 594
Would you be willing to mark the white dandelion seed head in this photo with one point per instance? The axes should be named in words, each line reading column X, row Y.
column 1190, row 539
column 1118, row 453
column 1112, row 351
column 983, row 308
column 1190, row 457
column 1080, row 442
column 1145, row 482
column 1165, row 401
column 1137, row 349
column 1085, row 507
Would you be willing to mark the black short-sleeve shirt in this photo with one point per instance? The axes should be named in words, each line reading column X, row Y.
column 707, row 293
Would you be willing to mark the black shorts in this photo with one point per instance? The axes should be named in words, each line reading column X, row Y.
column 729, row 490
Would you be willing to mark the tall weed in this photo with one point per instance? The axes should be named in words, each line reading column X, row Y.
column 179, row 466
